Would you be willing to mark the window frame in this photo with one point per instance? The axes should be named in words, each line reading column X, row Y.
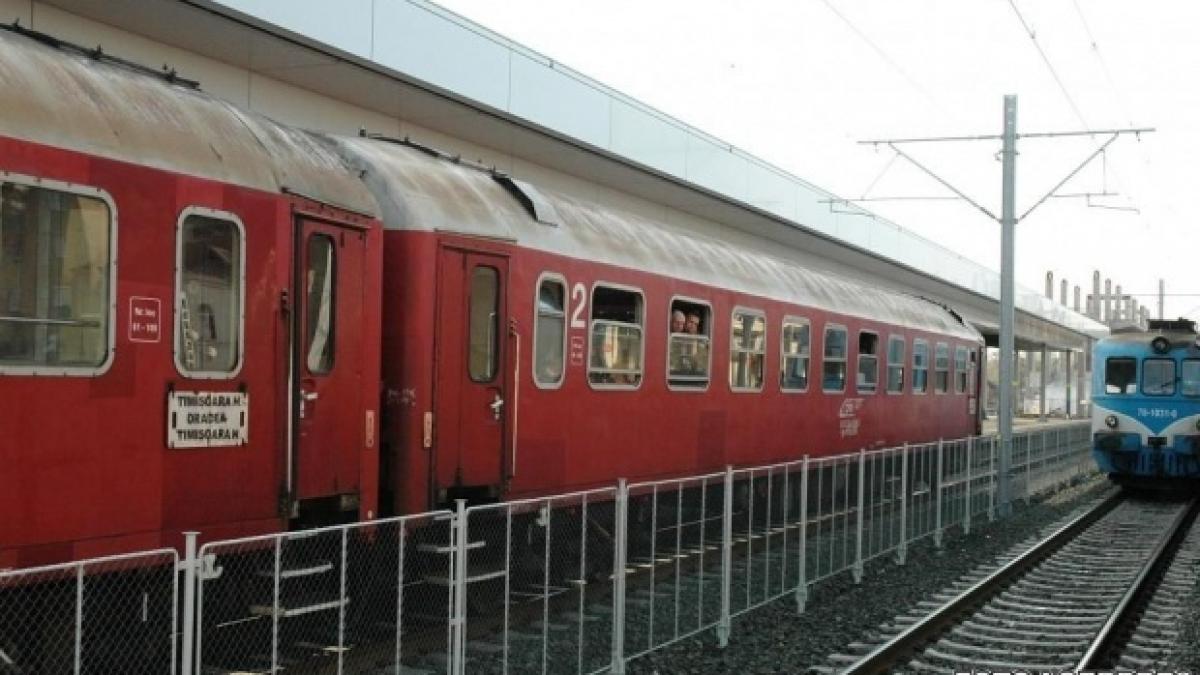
column 613, row 386
column 845, row 360
column 949, row 368
column 667, row 362
column 1182, row 364
column 176, row 349
column 858, row 356
column 1137, row 376
column 762, row 314
column 111, row 334
column 495, row 345
column 1141, row 379
column 965, row 371
column 928, row 367
column 893, row 337
column 783, row 355
column 537, row 294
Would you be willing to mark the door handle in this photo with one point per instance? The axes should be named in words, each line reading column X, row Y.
column 305, row 397
column 496, row 405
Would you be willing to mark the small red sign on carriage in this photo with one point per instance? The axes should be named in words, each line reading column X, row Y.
column 145, row 319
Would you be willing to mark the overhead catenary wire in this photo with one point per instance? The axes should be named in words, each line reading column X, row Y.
column 879, row 176
column 1062, row 86
column 1117, row 93
column 1049, row 66
column 912, row 82
column 1095, row 45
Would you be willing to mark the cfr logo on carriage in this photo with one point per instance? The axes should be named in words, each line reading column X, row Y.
column 850, row 407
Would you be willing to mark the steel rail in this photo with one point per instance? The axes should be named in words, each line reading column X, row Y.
column 884, row 657
column 1143, row 585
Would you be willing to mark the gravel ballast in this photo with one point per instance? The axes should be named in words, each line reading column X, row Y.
column 775, row 639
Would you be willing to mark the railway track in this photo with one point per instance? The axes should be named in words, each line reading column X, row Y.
column 1082, row 598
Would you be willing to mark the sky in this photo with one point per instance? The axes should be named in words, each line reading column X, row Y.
column 799, row 83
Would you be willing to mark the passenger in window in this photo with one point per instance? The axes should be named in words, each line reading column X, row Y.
column 693, row 323
column 678, row 321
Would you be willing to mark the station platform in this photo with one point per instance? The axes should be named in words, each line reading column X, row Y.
column 991, row 425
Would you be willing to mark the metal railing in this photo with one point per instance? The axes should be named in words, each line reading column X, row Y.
column 105, row 615
column 572, row 583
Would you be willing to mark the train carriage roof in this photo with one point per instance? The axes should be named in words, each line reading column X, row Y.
column 419, row 190
column 58, row 95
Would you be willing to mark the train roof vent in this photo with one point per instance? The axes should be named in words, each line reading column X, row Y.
column 531, row 198
column 98, row 54
column 1179, row 325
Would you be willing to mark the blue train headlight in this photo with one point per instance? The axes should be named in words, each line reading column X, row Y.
column 1160, row 345
column 1111, row 422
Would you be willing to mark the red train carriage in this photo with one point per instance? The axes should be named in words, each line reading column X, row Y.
column 189, row 329
column 532, row 343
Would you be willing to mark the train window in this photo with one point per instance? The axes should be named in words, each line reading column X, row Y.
column 1158, row 377
column 56, row 280
column 482, row 334
column 895, row 365
column 1120, row 376
column 550, row 332
column 833, row 367
column 941, row 368
column 689, row 336
column 1189, row 380
column 208, row 294
column 747, row 350
column 920, row 366
column 868, row 362
column 796, row 338
column 320, row 285
column 960, row 370
column 616, row 356
column 971, row 389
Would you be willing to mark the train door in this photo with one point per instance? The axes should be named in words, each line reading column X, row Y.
column 328, row 360
column 471, row 385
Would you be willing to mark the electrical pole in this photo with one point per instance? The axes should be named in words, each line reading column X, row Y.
column 1008, row 221
column 1008, row 233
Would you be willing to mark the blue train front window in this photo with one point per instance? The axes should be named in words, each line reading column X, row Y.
column 1158, row 377
column 1120, row 376
column 1189, row 381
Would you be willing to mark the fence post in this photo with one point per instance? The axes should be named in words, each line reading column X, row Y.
column 967, row 515
column 188, row 627
column 1029, row 476
column 458, row 621
column 620, row 553
column 342, row 602
column 994, row 478
column 802, row 583
column 79, row 577
column 725, row 624
column 276, row 578
column 902, row 549
column 937, row 530
column 862, row 482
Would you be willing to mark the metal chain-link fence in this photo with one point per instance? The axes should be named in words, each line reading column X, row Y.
column 352, row 598
column 107, row 615
column 574, row 583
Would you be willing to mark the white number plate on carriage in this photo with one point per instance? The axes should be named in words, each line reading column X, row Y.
column 207, row 419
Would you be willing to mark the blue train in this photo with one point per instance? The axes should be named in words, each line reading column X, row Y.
column 1146, row 403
